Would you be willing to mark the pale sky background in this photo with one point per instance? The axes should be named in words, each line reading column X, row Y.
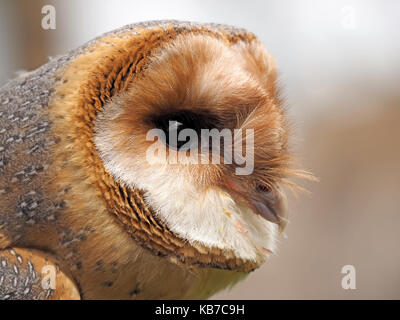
column 339, row 66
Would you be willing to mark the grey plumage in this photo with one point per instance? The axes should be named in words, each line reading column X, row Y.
column 25, row 139
column 26, row 210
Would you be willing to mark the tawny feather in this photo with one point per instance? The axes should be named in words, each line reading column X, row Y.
column 77, row 183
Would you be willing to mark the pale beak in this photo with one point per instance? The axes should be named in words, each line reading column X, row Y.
column 271, row 205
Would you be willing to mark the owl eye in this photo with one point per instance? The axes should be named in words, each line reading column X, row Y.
column 172, row 134
column 173, row 124
column 263, row 188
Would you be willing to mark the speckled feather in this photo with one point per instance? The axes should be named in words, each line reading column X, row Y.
column 102, row 259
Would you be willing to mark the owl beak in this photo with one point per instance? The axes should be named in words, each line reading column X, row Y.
column 270, row 205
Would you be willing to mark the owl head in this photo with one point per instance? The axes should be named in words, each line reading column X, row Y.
column 190, row 132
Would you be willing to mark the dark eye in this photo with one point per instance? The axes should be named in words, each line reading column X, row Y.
column 173, row 124
column 263, row 188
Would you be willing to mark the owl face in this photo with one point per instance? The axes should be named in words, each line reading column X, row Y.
column 199, row 83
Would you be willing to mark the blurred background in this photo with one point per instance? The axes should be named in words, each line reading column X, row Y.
column 339, row 64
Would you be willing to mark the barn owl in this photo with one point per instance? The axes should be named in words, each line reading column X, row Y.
column 85, row 215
